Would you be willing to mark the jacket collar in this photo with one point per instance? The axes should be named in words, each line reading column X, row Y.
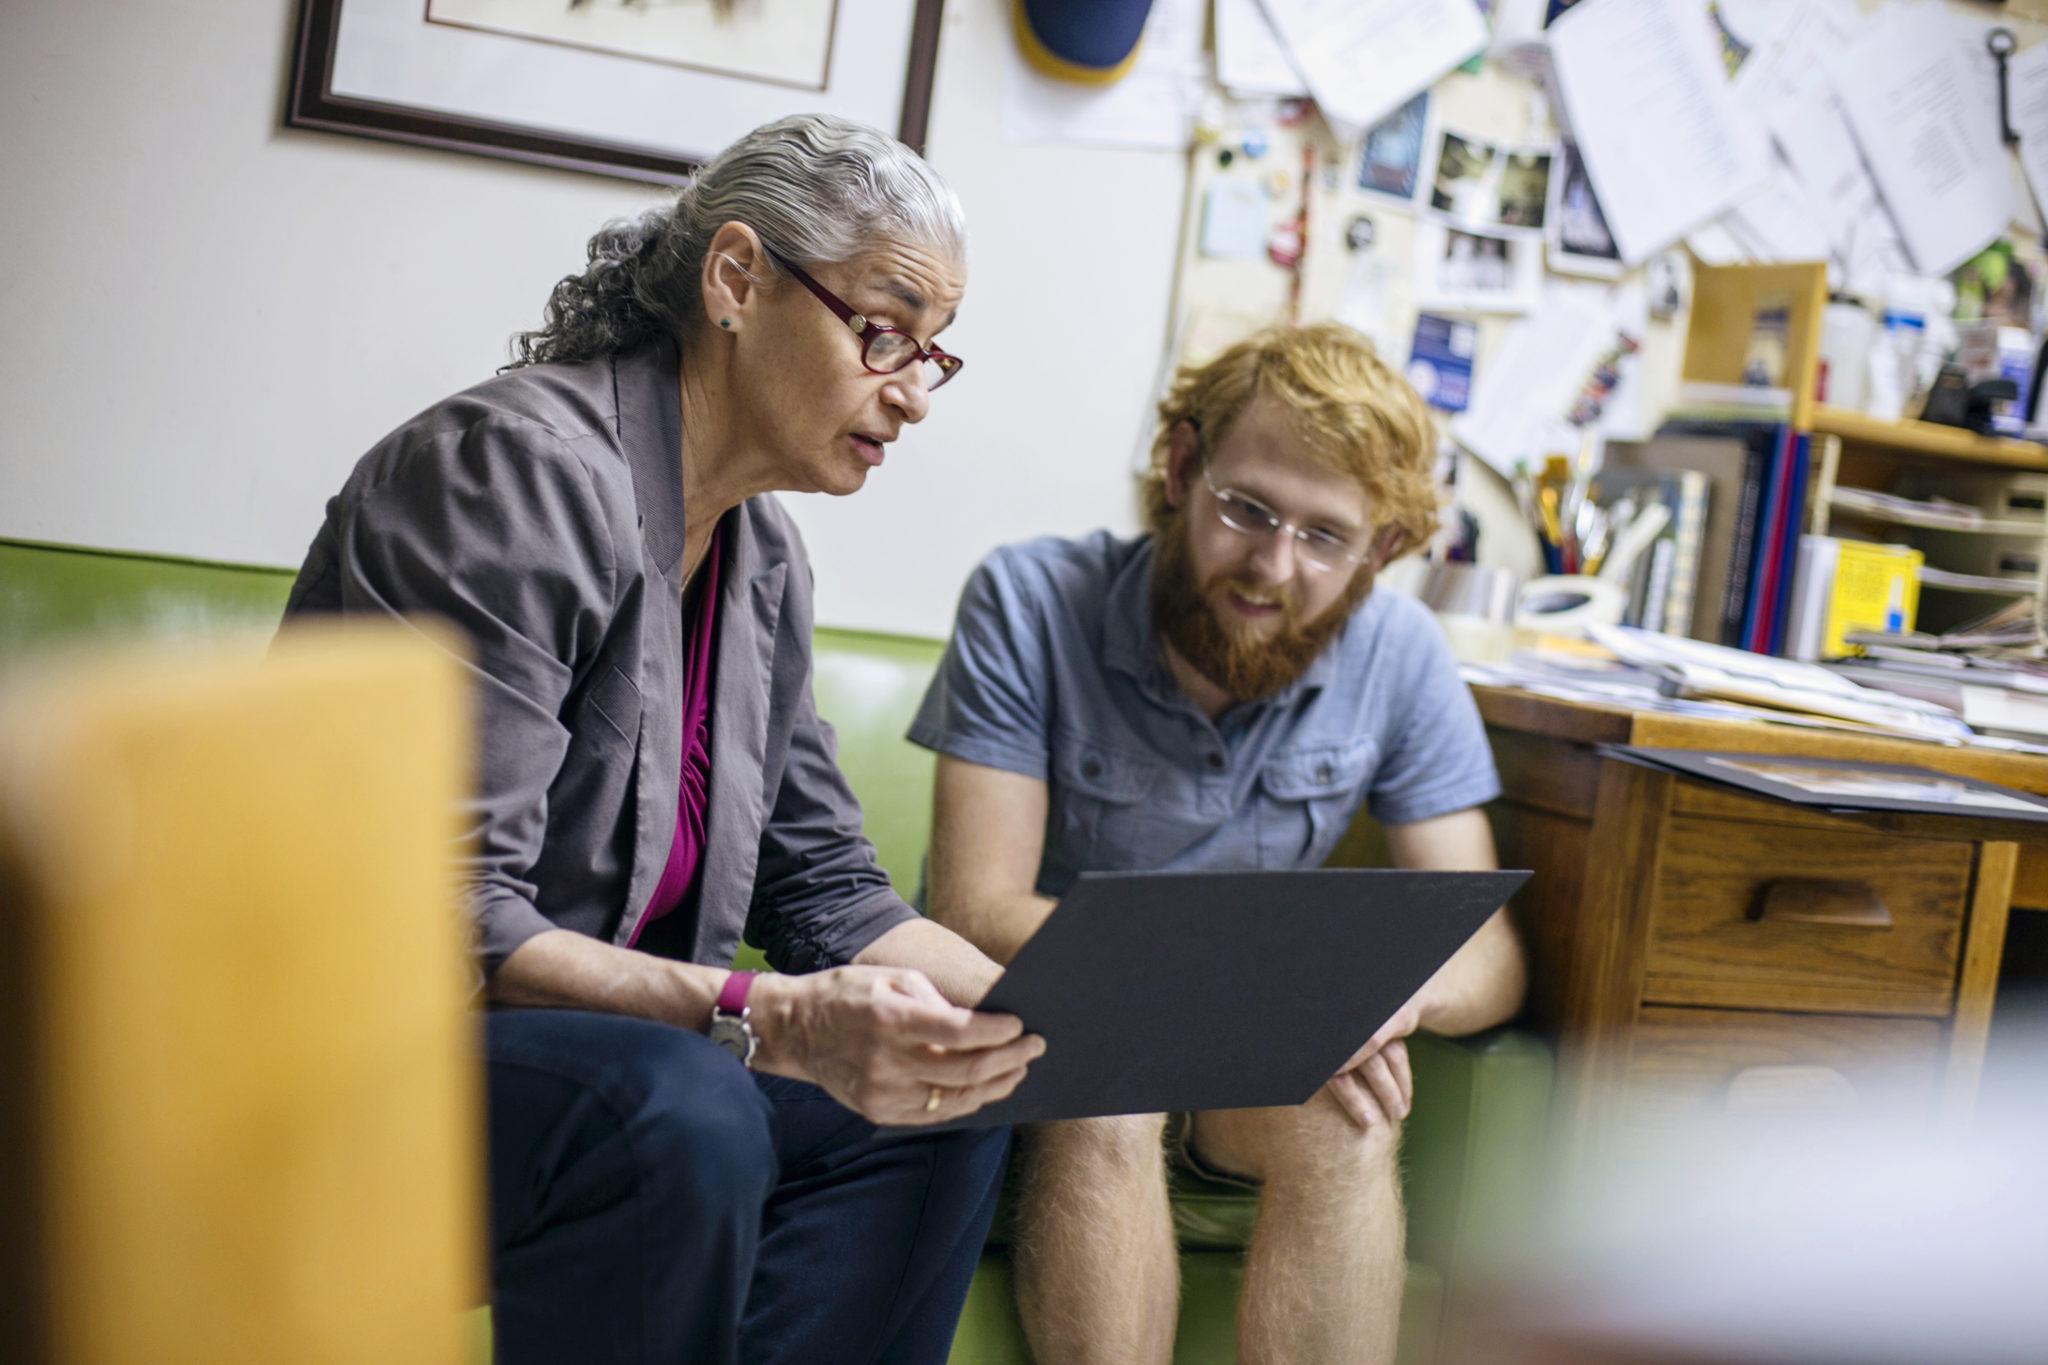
column 651, row 433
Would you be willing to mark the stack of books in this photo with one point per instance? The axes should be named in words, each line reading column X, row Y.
column 1735, row 473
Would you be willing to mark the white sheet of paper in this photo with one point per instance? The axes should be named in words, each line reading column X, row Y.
column 1236, row 216
column 1812, row 133
column 1714, row 244
column 1520, row 396
column 1784, row 36
column 1908, row 91
column 2028, row 109
column 1364, row 58
column 1647, row 97
column 1780, row 221
column 1152, row 106
column 1250, row 58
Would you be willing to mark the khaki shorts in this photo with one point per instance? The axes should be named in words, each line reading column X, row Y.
column 1180, row 1151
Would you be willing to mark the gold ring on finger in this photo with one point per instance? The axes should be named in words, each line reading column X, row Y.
column 933, row 1100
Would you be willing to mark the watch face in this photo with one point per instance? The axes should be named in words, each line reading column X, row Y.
column 734, row 1036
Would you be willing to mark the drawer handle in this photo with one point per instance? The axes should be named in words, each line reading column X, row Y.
column 1821, row 900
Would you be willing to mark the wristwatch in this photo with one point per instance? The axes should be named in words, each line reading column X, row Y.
column 729, row 1026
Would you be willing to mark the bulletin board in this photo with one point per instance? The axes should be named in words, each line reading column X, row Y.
column 1371, row 225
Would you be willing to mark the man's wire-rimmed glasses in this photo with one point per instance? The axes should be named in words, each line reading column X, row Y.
column 1320, row 549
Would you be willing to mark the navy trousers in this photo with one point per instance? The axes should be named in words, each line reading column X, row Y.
column 652, row 1200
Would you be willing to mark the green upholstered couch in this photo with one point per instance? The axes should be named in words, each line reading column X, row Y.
column 1471, row 1156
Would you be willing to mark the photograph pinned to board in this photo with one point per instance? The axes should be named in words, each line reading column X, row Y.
column 1576, row 238
column 1844, row 784
column 1390, row 162
column 1476, row 272
column 1488, row 186
column 1440, row 360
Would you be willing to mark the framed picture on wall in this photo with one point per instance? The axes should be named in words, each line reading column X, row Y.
column 645, row 89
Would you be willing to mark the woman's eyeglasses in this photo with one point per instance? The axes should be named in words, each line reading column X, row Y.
column 883, row 349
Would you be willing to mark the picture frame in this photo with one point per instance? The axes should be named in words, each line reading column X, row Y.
column 534, row 86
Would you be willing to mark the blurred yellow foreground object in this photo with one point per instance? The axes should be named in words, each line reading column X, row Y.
column 240, row 1101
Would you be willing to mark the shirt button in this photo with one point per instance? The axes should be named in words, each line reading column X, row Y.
column 1215, row 762
column 1091, row 768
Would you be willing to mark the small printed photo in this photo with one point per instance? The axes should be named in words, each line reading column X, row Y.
column 1479, row 184
column 1576, row 230
column 1998, row 283
column 1391, row 162
column 1476, row 272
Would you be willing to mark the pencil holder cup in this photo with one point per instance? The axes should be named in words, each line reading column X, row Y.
column 1483, row 590
column 1566, row 604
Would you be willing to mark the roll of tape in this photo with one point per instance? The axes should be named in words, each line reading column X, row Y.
column 1565, row 604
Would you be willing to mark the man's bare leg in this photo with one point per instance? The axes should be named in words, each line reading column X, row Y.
column 1324, row 1274
column 1098, row 1275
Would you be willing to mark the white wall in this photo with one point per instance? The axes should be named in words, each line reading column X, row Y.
column 209, row 317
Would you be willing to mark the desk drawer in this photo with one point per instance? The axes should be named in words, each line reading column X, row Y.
column 1684, row 1063
column 1764, row 916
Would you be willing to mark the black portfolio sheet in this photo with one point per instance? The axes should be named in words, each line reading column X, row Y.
column 1158, row 992
column 1847, row 786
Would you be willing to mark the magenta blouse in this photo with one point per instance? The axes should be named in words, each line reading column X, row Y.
column 686, row 854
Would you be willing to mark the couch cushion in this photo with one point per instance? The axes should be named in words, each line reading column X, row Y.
column 55, row 594
column 868, row 687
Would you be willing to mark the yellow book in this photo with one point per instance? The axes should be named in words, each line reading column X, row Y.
column 1877, row 587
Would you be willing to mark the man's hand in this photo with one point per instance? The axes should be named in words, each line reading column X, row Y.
column 1376, row 1086
column 882, row 1041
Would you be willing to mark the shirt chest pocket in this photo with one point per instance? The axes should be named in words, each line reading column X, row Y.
column 1097, row 803
column 1307, row 798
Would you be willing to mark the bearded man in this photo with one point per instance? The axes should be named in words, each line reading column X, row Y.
column 1223, row 693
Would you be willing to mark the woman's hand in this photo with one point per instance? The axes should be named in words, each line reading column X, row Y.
column 882, row 1041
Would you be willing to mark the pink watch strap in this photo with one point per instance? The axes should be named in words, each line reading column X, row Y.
column 732, row 997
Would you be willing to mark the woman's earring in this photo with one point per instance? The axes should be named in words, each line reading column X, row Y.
column 725, row 322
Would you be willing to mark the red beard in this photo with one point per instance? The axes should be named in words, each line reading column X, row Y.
column 1247, row 666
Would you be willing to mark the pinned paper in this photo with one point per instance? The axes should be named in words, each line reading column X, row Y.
column 1250, row 58
column 1364, row 58
column 1919, row 120
column 1153, row 105
column 1646, row 93
column 1440, row 360
column 1235, row 218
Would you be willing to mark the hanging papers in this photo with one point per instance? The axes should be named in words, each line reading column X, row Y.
column 1646, row 93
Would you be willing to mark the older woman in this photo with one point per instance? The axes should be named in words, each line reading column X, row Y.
column 684, row 1161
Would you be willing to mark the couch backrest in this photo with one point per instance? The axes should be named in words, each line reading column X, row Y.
column 867, row 685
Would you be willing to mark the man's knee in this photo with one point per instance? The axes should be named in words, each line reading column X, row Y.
column 1314, row 1144
column 1319, row 1142
column 1125, row 1142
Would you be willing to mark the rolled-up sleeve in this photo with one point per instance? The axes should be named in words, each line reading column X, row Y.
column 820, row 896
column 1439, row 760
column 986, row 704
column 496, row 528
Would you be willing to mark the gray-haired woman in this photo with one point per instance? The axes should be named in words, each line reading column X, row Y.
column 654, row 779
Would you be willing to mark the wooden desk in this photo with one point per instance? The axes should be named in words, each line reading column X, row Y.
column 1692, row 945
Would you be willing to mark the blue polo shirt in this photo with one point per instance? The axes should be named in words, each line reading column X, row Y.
column 1053, row 672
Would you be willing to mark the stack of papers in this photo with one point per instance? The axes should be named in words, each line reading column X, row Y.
column 1936, row 513
column 1716, row 672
